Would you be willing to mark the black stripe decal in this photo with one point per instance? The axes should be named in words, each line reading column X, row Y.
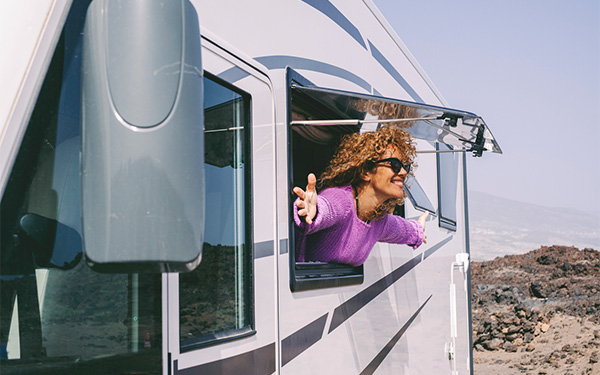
column 263, row 249
column 394, row 73
column 329, row 10
column 435, row 248
column 256, row 362
column 296, row 343
column 262, row 360
column 371, row 367
column 350, row 307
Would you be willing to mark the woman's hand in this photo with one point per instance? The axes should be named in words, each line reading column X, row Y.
column 422, row 219
column 307, row 205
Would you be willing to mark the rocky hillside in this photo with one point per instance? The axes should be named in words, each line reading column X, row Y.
column 537, row 313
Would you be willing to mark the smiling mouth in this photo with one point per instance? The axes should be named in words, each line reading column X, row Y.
column 398, row 183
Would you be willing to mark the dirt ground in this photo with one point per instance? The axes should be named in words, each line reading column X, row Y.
column 569, row 347
column 537, row 313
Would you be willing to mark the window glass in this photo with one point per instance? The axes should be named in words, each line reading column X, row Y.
column 56, row 314
column 447, row 186
column 417, row 195
column 214, row 299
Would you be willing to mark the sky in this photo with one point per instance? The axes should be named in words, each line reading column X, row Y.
column 531, row 69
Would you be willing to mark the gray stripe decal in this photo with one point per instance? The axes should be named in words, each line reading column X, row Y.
column 256, row 362
column 296, row 343
column 233, row 74
column 283, row 246
column 282, row 61
column 264, row 249
column 336, row 16
column 372, row 366
column 350, row 307
column 394, row 73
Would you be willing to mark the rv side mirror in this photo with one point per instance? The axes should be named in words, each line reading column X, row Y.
column 143, row 143
column 53, row 244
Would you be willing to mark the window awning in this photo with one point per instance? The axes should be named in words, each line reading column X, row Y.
column 466, row 131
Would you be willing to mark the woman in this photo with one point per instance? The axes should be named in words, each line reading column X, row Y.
column 362, row 184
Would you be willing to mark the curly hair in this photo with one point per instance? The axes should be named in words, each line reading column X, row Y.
column 354, row 156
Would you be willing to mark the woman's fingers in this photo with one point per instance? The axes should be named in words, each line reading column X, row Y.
column 299, row 192
column 307, row 202
column 422, row 219
column 312, row 182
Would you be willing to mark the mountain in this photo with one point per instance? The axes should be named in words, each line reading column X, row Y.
column 500, row 226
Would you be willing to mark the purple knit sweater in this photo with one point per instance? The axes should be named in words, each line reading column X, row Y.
column 337, row 235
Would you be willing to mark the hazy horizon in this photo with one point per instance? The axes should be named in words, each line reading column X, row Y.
column 500, row 226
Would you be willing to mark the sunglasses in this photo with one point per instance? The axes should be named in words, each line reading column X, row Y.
column 395, row 164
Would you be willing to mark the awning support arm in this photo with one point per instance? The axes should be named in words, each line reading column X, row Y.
column 439, row 151
column 360, row 122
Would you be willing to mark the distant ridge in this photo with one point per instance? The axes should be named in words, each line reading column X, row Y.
column 500, row 226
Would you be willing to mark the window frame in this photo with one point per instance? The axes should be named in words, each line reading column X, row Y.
column 250, row 328
column 310, row 275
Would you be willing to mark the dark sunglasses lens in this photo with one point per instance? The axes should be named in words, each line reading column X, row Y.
column 397, row 166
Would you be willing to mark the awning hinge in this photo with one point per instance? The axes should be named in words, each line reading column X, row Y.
column 477, row 147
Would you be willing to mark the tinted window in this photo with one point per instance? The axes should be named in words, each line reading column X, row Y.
column 215, row 299
column 447, row 186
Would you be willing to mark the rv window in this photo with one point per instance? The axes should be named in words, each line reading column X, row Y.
column 215, row 299
column 312, row 147
column 58, row 316
column 447, row 186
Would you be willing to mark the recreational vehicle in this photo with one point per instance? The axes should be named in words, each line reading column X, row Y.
column 148, row 152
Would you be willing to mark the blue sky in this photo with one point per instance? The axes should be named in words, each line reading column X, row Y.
column 531, row 69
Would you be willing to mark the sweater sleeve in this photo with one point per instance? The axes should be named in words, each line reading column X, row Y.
column 333, row 207
column 401, row 231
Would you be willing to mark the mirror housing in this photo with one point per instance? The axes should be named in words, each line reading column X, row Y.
column 142, row 136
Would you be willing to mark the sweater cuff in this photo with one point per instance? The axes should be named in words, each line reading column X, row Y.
column 419, row 233
column 301, row 224
column 323, row 211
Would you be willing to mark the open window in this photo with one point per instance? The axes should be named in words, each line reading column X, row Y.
column 316, row 144
column 319, row 118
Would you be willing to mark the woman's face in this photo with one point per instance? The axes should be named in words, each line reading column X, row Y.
column 384, row 181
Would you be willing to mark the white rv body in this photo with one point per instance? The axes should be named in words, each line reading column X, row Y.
column 410, row 314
